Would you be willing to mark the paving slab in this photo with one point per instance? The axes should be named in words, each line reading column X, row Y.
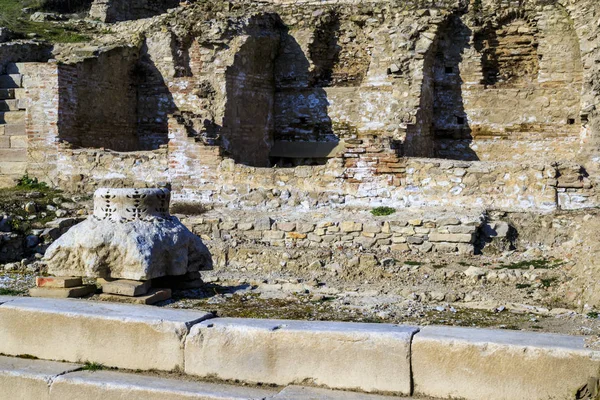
column 23, row 379
column 364, row 357
column 109, row 385
column 116, row 335
column 125, row 287
column 483, row 364
column 310, row 393
column 62, row 293
column 58, row 281
column 154, row 296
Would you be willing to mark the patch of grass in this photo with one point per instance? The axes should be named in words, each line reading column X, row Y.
column 382, row 211
column 592, row 314
column 13, row 17
column 523, row 285
column 10, row 292
column 536, row 264
column 92, row 366
column 26, row 182
column 13, row 199
column 547, row 282
column 413, row 263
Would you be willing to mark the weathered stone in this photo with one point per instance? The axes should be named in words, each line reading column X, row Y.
column 486, row 364
column 62, row 293
column 350, row 226
column 130, row 236
column 29, row 379
column 368, row 357
column 58, row 281
column 124, row 287
column 76, row 330
column 153, row 296
column 119, row 385
column 451, row 237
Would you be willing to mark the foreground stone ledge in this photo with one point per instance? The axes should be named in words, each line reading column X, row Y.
column 310, row 393
column 365, row 357
column 29, row 379
column 116, row 335
column 109, row 385
column 482, row 364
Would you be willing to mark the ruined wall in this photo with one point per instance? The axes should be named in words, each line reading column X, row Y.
column 98, row 101
column 119, row 10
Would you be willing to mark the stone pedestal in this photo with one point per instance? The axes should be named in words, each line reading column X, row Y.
column 130, row 236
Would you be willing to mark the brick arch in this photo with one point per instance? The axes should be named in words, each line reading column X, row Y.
column 508, row 46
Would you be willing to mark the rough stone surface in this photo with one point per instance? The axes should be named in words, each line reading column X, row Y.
column 115, row 335
column 116, row 385
column 309, row 393
column 366, row 357
column 450, row 362
column 130, row 236
column 23, row 379
column 62, row 293
column 152, row 297
column 125, row 287
column 58, row 281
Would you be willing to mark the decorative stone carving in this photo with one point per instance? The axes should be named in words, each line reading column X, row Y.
column 130, row 236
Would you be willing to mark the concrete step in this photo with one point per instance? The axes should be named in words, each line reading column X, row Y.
column 9, row 105
column 12, row 117
column 116, row 335
column 7, row 94
column 29, row 379
column 339, row 355
column 11, row 81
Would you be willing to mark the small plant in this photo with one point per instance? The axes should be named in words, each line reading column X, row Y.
column 536, row 264
column 382, row 211
column 412, row 263
column 547, row 282
column 26, row 182
column 523, row 285
column 188, row 208
column 592, row 314
column 92, row 366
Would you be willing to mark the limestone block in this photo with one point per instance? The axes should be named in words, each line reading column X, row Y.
column 152, row 297
column 23, row 379
column 130, row 236
column 58, row 281
column 486, row 364
column 110, row 385
column 366, row 357
column 310, row 393
column 62, row 293
column 125, row 287
column 451, row 237
column 350, row 226
column 116, row 335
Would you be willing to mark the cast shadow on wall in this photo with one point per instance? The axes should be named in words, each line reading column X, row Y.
column 451, row 129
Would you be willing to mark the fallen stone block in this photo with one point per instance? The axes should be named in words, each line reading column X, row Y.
column 125, row 287
column 467, row 363
column 365, row 357
column 62, row 293
column 116, row 335
column 58, row 281
column 29, row 379
column 154, row 296
column 310, row 393
column 111, row 385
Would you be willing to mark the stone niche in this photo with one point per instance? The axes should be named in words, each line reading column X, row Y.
column 130, row 236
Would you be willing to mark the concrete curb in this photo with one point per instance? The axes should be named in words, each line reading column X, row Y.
column 115, row 335
column 339, row 355
column 501, row 365
column 442, row 362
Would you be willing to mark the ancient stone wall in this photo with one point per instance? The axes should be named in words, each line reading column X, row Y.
column 119, row 10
